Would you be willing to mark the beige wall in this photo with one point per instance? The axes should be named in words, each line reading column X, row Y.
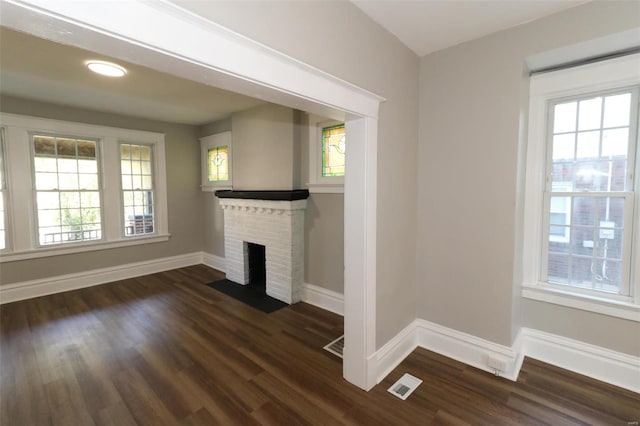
column 263, row 148
column 183, row 192
column 473, row 101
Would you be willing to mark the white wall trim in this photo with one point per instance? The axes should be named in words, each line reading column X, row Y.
column 321, row 297
column 42, row 287
column 213, row 261
column 603, row 364
column 396, row 350
column 465, row 348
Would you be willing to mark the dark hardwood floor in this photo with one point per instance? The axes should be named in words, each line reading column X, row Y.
column 166, row 349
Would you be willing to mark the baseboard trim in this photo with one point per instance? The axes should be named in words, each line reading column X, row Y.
column 389, row 356
column 42, row 287
column 466, row 348
column 603, row 364
column 213, row 261
column 321, row 297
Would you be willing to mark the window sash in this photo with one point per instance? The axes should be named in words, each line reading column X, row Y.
column 625, row 288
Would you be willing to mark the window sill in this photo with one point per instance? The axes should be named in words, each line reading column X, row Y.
column 601, row 305
column 80, row 248
column 325, row 188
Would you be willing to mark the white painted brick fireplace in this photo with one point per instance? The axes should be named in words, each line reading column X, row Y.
column 277, row 225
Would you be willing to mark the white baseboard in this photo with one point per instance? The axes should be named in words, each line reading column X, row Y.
column 213, row 261
column 600, row 363
column 42, row 287
column 466, row 348
column 321, row 297
column 395, row 351
column 445, row 341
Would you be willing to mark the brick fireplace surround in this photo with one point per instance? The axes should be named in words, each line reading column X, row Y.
column 274, row 219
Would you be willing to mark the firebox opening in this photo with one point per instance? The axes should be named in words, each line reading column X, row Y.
column 257, row 266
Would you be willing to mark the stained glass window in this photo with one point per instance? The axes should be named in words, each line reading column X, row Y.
column 333, row 150
column 218, row 163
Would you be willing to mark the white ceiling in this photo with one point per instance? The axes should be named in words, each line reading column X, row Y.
column 38, row 69
column 426, row 26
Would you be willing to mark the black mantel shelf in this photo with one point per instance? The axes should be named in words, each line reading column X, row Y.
column 296, row 194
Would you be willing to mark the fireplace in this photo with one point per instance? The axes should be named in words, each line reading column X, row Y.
column 273, row 220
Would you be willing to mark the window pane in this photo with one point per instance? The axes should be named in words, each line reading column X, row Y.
column 45, row 164
column 44, row 145
column 588, row 145
column 584, row 211
column 66, row 148
column 87, row 166
column 87, row 181
column 87, row 149
column 46, row 181
column 66, row 165
column 564, row 117
column 615, row 142
column 564, row 147
column 218, row 163
column 558, row 268
column 617, row 110
column 333, row 150
column 590, row 114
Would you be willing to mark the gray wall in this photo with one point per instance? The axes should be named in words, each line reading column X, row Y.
column 262, row 148
column 338, row 38
column 473, row 101
column 183, row 191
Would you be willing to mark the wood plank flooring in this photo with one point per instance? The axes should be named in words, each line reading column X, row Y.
column 164, row 349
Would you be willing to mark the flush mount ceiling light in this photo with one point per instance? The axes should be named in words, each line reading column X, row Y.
column 106, row 68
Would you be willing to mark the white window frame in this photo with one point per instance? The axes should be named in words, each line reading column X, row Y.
column 207, row 143
column 599, row 76
column 22, row 209
column 318, row 183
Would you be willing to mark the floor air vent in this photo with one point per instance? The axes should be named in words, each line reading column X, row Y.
column 336, row 347
column 405, row 386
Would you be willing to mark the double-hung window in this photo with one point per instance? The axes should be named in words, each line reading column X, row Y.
column 77, row 187
column 137, row 188
column 67, row 189
column 582, row 219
